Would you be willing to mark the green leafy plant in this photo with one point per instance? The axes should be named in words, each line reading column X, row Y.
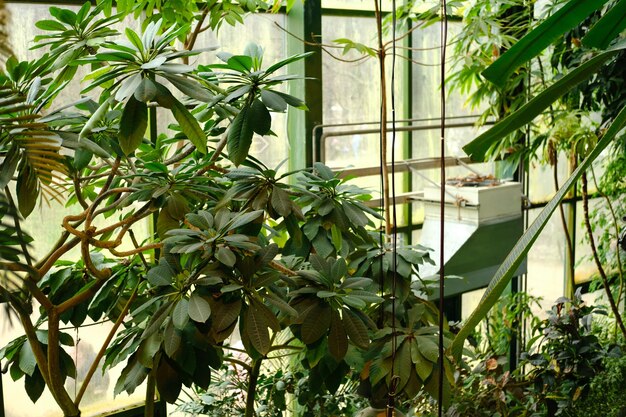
column 600, row 36
column 290, row 263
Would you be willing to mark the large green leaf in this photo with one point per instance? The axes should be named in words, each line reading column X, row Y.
column 479, row 146
column 199, row 308
column 508, row 267
column 607, row 28
column 168, row 381
column 189, row 125
column 27, row 189
column 337, row 338
column 260, row 118
column 566, row 18
column 256, row 329
column 133, row 125
column 316, row 323
column 240, row 137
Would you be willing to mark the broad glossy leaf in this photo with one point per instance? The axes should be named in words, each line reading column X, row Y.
column 134, row 39
column 316, row 323
column 146, row 91
column 189, row 125
column 256, row 328
column 479, row 146
column 226, row 256
column 27, row 361
column 281, row 202
column 260, row 118
column 510, row 264
column 133, row 125
column 171, row 339
column 199, row 308
column 168, row 381
column 190, row 87
column 128, row 87
column 607, row 28
column 567, row 17
column 280, row 64
column 224, row 314
column 180, row 314
column 356, row 330
column 337, row 338
column 34, row 385
column 273, row 101
column 241, row 63
column 27, row 189
column 51, row 25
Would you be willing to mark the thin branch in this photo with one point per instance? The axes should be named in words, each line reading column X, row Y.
column 136, row 250
column 105, row 345
column 594, row 251
column 79, row 193
column 323, row 47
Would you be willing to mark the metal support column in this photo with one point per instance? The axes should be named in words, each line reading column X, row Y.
column 305, row 21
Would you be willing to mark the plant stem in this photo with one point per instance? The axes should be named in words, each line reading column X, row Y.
column 150, row 393
column 252, row 381
column 618, row 255
column 596, row 258
column 54, row 368
column 568, row 237
column 383, row 120
column 105, row 345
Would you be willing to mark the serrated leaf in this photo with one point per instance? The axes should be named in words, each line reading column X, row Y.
column 199, row 308
column 240, row 137
column 133, row 125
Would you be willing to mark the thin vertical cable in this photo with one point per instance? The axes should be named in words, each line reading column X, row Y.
column 394, row 217
column 378, row 4
column 444, row 41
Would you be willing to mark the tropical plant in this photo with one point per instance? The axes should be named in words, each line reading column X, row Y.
column 605, row 36
column 291, row 263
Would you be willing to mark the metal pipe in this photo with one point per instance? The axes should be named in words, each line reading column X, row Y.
column 321, row 142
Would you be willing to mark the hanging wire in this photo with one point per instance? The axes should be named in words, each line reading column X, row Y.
column 444, row 40
column 394, row 217
column 381, row 236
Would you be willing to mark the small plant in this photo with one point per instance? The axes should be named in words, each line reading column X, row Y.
column 568, row 356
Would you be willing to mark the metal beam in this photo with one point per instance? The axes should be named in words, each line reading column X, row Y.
column 305, row 22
